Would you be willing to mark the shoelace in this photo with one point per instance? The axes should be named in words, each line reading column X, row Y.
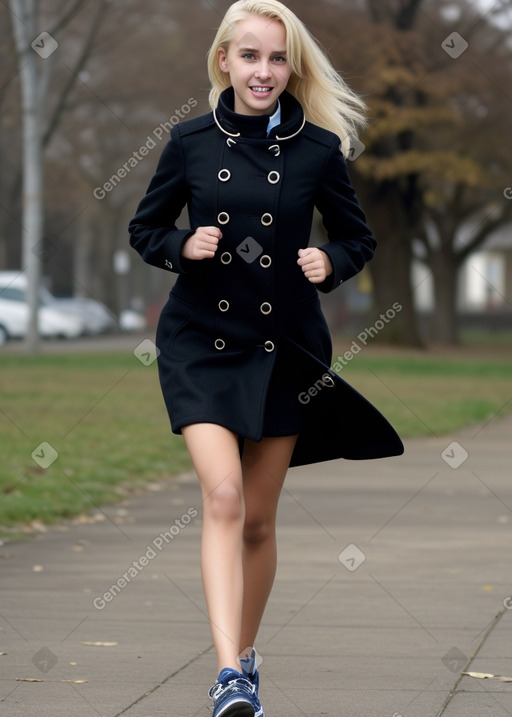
column 219, row 688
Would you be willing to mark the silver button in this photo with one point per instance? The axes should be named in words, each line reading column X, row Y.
column 223, row 305
column 276, row 149
column 226, row 257
column 168, row 264
column 274, row 177
column 265, row 308
column 265, row 261
column 224, row 175
column 220, row 344
column 267, row 219
column 269, row 346
column 223, row 218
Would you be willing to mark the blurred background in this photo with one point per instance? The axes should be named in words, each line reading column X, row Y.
column 89, row 90
column 101, row 82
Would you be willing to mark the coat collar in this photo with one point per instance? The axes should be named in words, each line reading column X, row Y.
column 255, row 126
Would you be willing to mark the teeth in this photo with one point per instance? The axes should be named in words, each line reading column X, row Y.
column 261, row 89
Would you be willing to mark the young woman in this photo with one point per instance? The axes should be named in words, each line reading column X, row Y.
column 242, row 338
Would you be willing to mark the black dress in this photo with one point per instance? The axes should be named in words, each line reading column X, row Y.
column 242, row 337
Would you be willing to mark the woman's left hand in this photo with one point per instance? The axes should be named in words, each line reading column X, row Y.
column 315, row 264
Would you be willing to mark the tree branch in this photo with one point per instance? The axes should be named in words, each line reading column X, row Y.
column 80, row 63
column 406, row 17
column 66, row 19
column 486, row 227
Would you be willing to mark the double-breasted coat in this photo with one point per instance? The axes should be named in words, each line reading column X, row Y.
column 242, row 339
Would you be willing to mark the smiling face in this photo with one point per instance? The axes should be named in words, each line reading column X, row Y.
column 257, row 65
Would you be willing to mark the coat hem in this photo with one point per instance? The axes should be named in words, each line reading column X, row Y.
column 176, row 426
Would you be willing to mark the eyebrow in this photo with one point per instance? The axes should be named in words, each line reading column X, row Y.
column 253, row 49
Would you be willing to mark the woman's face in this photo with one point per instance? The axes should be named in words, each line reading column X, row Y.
column 257, row 65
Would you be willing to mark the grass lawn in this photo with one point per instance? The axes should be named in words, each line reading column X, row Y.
column 104, row 416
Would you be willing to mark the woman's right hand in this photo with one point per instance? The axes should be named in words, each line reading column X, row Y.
column 202, row 244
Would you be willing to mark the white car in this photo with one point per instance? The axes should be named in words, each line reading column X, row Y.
column 14, row 313
column 95, row 315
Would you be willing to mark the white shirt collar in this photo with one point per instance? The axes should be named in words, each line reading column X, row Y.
column 275, row 119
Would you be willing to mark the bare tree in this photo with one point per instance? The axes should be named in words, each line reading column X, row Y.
column 35, row 57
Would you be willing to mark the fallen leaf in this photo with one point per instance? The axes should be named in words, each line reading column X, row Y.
column 87, row 519
column 100, row 644
column 27, row 679
column 487, row 676
column 76, row 682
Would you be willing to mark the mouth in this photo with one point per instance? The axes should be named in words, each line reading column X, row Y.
column 261, row 91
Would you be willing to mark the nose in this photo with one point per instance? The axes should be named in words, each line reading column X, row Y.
column 263, row 69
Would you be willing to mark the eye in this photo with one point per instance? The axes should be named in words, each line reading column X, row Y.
column 248, row 56
column 279, row 58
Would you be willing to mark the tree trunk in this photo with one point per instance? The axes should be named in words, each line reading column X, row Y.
column 391, row 267
column 443, row 325
column 390, row 271
column 23, row 14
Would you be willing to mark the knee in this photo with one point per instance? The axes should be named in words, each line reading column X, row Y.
column 258, row 530
column 225, row 503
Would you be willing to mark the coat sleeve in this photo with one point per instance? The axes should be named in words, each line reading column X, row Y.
column 153, row 231
column 351, row 243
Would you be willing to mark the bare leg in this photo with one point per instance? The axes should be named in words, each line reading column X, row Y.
column 264, row 467
column 215, row 454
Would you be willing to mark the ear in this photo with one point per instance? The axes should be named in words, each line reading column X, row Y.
column 222, row 58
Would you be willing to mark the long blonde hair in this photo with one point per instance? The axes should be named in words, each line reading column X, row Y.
column 325, row 97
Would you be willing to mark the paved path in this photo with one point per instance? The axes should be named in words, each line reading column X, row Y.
column 393, row 579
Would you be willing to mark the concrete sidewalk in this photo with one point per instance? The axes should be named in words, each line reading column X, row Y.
column 393, row 578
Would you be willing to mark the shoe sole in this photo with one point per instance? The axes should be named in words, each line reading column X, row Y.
column 238, row 710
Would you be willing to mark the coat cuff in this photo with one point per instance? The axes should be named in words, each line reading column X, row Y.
column 335, row 279
column 175, row 262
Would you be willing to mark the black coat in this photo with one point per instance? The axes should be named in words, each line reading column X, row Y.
column 228, row 317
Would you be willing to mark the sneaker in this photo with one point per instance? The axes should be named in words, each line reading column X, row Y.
column 233, row 695
column 250, row 672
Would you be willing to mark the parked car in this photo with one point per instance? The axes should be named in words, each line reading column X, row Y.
column 95, row 315
column 14, row 312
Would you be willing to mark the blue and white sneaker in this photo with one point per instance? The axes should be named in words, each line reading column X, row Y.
column 250, row 672
column 233, row 695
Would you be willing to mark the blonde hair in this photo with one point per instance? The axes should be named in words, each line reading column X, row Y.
column 325, row 97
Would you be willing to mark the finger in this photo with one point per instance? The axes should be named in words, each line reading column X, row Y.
column 317, row 272
column 306, row 261
column 215, row 231
column 209, row 232
column 311, row 267
column 209, row 242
